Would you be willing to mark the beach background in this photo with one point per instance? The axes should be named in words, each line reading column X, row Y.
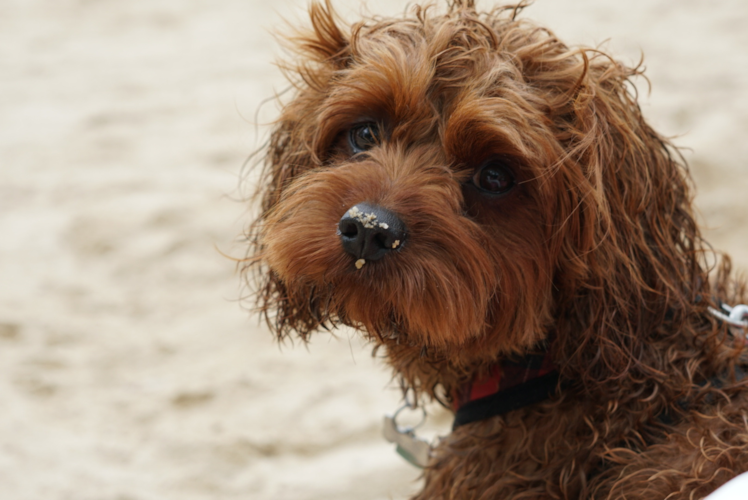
column 128, row 368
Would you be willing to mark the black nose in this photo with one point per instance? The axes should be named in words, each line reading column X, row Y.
column 369, row 232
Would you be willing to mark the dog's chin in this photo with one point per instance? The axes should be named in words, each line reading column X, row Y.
column 390, row 300
column 442, row 313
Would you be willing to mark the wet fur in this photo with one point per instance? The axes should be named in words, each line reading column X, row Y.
column 596, row 250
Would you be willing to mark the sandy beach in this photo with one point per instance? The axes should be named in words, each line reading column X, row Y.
column 129, row 368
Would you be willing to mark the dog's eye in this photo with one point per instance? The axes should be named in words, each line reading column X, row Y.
column 363, row 137
column 494, row 177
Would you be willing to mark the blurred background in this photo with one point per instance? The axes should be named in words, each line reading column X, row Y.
column 128, row 368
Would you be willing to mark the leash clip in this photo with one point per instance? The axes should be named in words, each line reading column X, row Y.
column 735, row 316
column 412, row 448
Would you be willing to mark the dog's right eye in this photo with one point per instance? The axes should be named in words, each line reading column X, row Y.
column 363, row 137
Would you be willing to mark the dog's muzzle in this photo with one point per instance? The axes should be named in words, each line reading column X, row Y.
column 369, row 232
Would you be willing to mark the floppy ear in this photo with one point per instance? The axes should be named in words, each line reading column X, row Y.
column 319, row 51
column 316, row 50
column 631, row 266
column 288, row 156
column 325, row 42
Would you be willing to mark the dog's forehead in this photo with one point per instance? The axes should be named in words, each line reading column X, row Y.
column 436, row 61
column 426, row 81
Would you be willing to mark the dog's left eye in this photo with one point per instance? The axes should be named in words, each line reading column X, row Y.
column 494, row 177
column 363, row 137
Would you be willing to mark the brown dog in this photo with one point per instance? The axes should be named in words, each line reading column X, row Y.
column 489, row 206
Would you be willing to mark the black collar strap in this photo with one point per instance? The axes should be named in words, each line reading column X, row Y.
column 512, row 384
column 508, row 385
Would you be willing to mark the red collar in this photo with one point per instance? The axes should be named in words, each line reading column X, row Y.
column 510, row 384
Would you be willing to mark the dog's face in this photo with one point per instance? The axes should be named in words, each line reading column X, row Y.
column 445, row 180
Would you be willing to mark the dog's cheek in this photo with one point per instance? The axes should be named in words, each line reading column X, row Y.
column 299, row 236
column 515, row 234
column 521, row 313
column 444, row 299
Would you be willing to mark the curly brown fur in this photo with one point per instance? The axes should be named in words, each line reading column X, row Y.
column 596, row 245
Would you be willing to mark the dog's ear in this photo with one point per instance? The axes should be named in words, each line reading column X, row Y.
column 631, row 256
column 323, row 49
column 319, row 51
column 288, row 156
column 324, row 42
column 329, row 41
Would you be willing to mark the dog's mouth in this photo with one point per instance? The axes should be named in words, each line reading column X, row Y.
column 371, row 232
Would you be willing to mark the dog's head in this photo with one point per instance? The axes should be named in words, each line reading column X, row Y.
column 466, row 183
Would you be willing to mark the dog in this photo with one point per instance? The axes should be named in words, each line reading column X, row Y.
column 489, row 207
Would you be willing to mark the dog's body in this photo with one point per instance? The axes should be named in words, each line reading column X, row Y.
column 464, row 189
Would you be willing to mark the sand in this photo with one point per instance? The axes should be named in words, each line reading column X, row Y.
column 128, row 368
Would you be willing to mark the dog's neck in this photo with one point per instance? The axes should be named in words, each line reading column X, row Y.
column 456, row 377
column 507, row 385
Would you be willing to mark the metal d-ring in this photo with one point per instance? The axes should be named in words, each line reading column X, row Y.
column 410, row 429
column 412, row 448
